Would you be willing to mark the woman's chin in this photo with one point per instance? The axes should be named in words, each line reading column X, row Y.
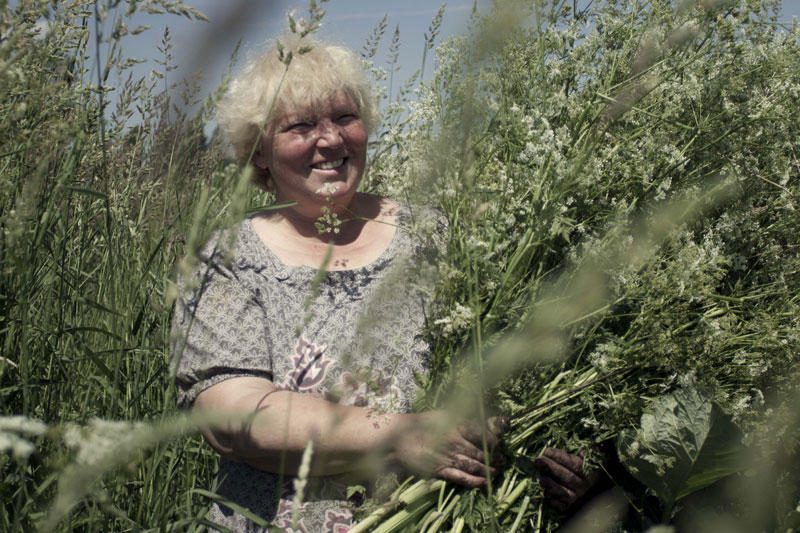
column 337, row 192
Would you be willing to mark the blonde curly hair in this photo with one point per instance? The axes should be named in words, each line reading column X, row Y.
column 269, row 86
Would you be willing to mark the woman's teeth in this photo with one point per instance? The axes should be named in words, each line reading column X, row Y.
column 328, row 165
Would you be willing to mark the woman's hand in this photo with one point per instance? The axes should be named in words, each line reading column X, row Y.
column 433, row 446
column 562, row 477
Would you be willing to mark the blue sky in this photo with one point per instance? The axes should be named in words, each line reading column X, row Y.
column 207, row 46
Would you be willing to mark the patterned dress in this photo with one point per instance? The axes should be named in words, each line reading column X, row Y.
column 356, row 339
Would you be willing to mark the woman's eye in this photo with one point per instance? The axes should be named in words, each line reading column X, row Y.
column 300, row 126
column 347, row 118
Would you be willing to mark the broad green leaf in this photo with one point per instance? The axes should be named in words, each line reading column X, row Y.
column 685, row 443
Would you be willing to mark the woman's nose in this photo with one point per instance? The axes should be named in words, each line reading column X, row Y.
column 328, row 134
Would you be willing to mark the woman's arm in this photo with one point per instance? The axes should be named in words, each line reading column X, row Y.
column 346, row 439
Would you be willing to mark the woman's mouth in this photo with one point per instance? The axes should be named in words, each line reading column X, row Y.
column 329, row 165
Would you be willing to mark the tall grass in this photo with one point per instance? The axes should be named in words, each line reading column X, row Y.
column 591, row 268
column 95, row 215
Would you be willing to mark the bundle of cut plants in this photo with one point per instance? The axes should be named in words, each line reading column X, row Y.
column 621, row 186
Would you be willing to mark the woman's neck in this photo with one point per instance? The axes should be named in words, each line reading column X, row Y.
column 340, row 227
column 363, row 236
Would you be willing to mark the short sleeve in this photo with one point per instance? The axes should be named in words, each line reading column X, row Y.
column 219, row 331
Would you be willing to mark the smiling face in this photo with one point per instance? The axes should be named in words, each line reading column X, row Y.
column 316, row 157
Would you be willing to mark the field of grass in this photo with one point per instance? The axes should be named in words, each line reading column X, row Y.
column 621, row 186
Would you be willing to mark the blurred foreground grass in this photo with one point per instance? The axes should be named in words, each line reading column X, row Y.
column 621, row 190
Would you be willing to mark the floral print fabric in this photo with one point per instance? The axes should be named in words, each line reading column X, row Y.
column 354, row 339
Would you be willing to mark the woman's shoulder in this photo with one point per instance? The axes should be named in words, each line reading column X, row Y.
column 225, row 251
column 410, row 217
column 422, row 229
column 426, row 223
column 224, row 243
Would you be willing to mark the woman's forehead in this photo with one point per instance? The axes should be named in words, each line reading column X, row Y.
column 317, row 107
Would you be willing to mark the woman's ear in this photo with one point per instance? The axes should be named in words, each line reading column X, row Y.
column 261, row 175
column 260, row 161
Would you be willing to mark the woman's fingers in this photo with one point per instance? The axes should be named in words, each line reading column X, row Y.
column 563, row 478
column 475, row 433
column 469, row 465
column 557, row 490
column 459, row 477
column 557, row 495
column 449, row 456
column 556, row 471
column 472, row 432
column 566, row 459
column 464, row 447
column 463, row 470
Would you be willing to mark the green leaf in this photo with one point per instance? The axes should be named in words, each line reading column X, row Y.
column 353, row 490
column 685, row 443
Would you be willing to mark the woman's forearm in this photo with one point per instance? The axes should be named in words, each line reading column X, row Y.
column 269, row 428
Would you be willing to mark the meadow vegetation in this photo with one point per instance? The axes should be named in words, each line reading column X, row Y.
column 621, row 189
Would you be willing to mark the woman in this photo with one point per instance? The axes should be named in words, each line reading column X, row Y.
column 328, row 359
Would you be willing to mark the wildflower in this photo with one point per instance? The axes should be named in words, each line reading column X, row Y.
column 13, row 433
column 328, row 189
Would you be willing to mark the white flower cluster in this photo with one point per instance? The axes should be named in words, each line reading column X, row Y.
column 100, row 439
column 607, row 356
column 459, row 319
column 15, row 434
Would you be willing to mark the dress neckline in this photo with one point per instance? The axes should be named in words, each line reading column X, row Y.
column 284, row 271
